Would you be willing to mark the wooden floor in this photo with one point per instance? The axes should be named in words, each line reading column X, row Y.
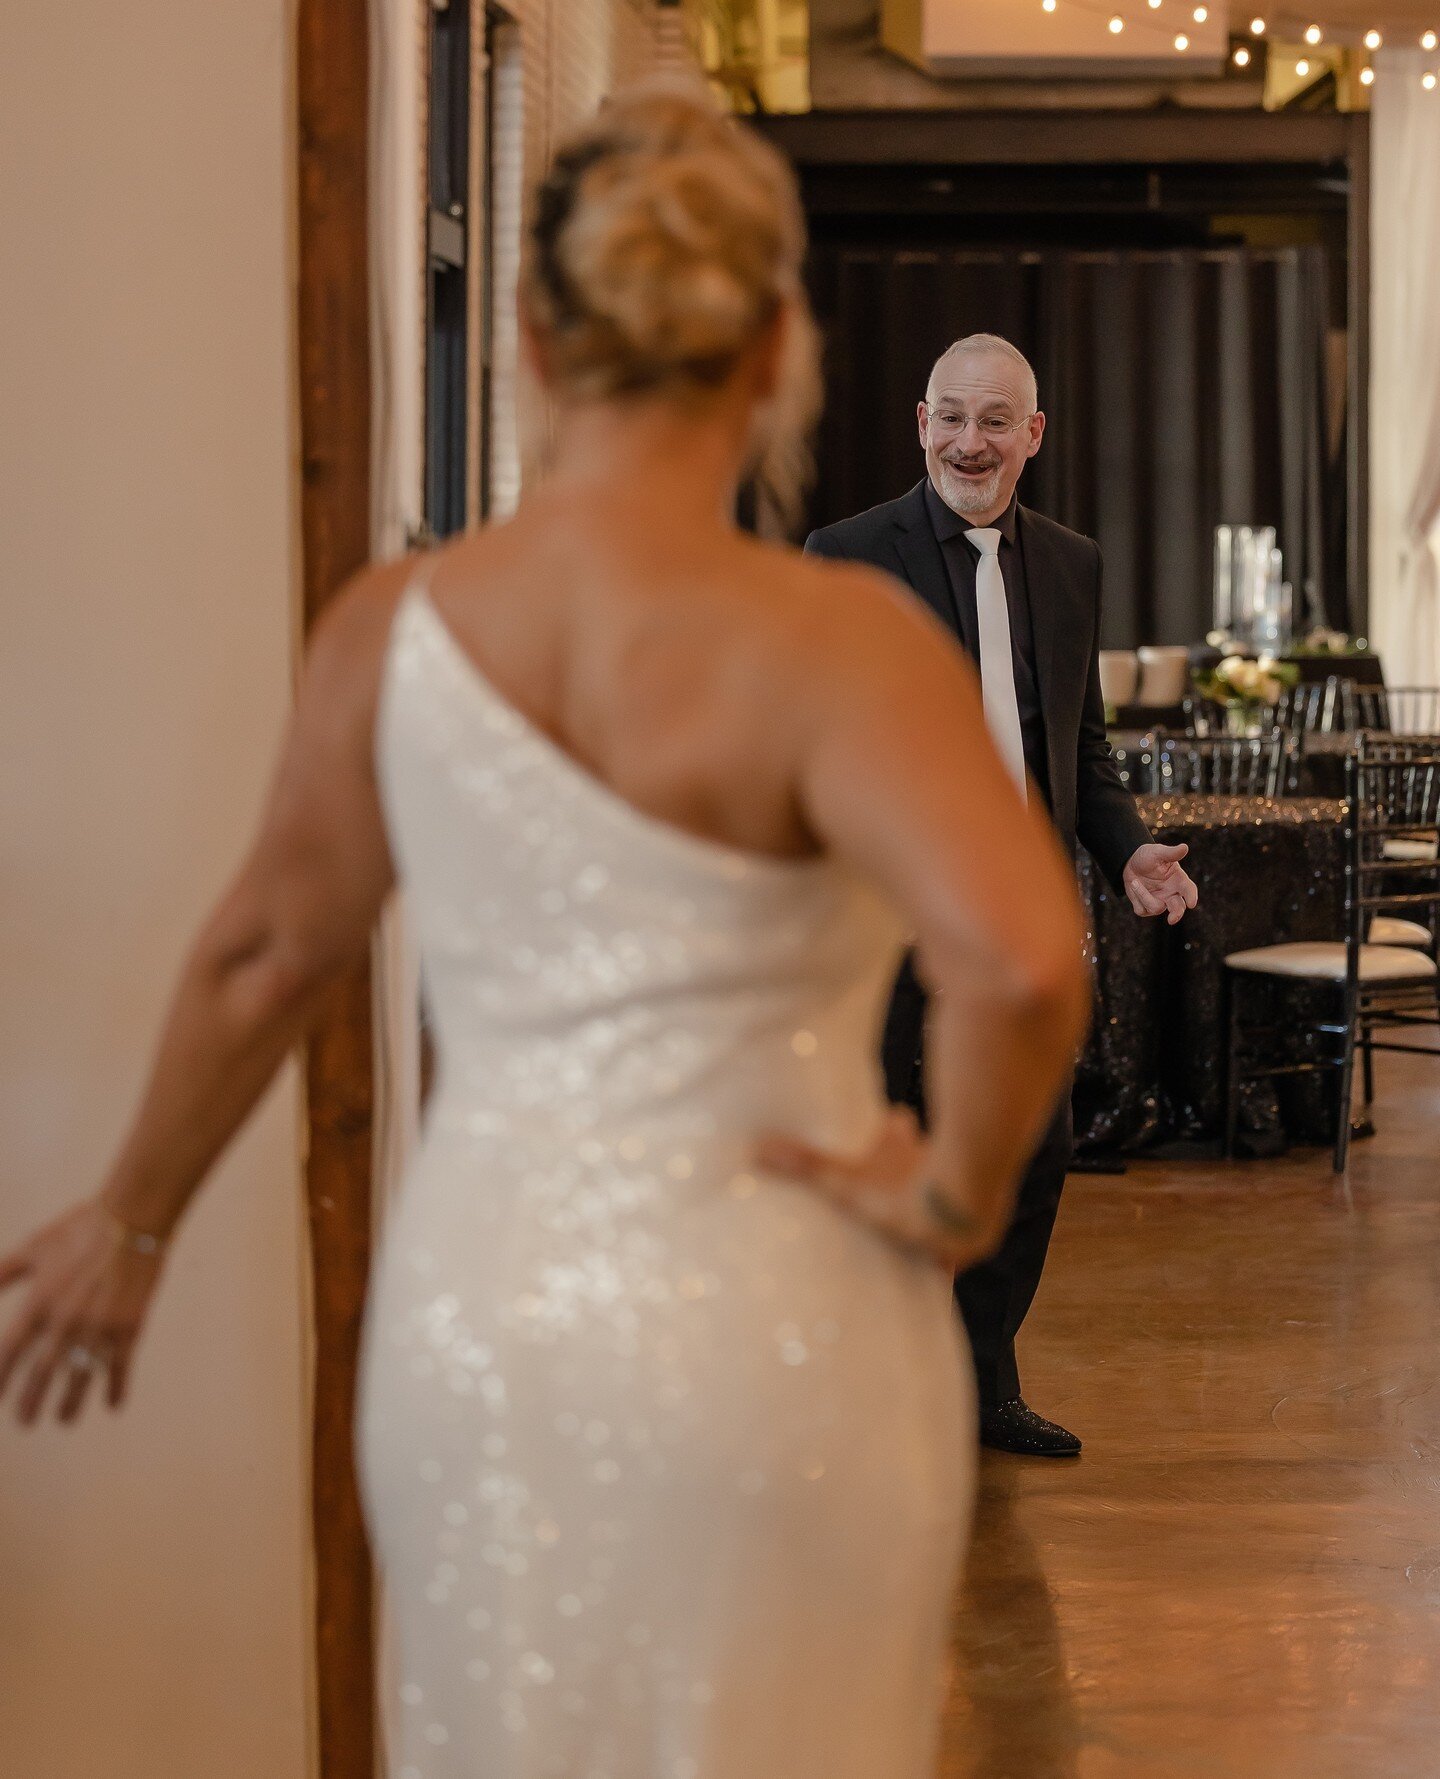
column 1240, row 1579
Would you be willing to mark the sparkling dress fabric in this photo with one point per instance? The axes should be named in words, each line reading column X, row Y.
column 1154, row 1069
column 667, row 1462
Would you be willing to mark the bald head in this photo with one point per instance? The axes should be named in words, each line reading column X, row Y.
column 1011, row 362
column 979, row 425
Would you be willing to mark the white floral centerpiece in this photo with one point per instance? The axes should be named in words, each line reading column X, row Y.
column 1246, row 689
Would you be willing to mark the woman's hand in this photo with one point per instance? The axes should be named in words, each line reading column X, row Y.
column 91, row 1281
column 891, row 1187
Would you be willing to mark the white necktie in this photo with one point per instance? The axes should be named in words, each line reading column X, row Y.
column 997, row 665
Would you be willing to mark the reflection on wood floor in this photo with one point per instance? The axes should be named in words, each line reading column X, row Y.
column 1240, row 1579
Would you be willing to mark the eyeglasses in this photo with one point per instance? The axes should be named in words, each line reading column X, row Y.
column 989, row 426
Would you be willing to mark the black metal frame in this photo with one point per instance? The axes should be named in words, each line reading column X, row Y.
column 447, row 320
column 1222, row 765
column 1393, row 709
column 1318, row 708
column 1392, row 789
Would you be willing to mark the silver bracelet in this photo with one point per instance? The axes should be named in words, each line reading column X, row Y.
column 953, row 1219
column 138, row 1241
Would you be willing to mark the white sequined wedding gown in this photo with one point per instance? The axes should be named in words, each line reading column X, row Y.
column 667, row 1464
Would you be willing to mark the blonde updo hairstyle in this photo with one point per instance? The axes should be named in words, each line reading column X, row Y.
column 666, row 237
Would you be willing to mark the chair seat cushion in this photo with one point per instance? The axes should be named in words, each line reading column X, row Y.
column 1411, row 851
column 1324, row 961
column 1390, row 929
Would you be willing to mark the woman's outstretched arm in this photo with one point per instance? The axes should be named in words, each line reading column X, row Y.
column 298, row 912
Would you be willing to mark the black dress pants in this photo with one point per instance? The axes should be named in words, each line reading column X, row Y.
column 994, row 1296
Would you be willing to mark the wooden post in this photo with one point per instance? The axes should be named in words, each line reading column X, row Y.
column 334, row 367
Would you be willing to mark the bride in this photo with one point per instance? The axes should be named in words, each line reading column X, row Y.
column 667, row 1432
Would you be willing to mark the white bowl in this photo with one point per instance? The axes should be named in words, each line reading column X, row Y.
column 1164, row 674
column 1119, row 675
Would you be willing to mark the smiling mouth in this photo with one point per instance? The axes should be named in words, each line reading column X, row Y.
column 973, row 469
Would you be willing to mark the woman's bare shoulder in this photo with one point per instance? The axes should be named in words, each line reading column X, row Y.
column 356, row 622
column 857, row 620
column 345, row 653
column 347, row 647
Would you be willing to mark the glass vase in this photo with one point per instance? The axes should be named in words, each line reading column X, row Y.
column 1244, row 719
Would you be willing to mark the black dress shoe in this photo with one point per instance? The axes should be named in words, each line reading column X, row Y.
column 1012, row 1427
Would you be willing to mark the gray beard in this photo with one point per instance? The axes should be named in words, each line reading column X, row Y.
column 966, row 498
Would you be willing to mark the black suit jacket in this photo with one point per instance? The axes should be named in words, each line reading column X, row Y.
column 1088, row 803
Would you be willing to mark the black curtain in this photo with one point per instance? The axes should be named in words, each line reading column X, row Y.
column 1184, row 388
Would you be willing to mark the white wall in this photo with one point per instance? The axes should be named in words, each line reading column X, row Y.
column 153, row 1568
column 1405, row 369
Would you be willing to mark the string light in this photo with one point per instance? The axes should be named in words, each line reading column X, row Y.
column 1428, row 82
column 1314, row 35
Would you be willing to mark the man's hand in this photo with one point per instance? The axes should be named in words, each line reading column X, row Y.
column 1156, row 884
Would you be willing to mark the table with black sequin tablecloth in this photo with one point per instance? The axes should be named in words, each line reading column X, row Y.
column 1153, row 1072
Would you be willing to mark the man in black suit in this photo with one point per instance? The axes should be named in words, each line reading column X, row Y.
column 1023, row 595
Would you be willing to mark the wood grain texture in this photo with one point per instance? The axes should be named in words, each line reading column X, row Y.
column 334, row 367
column 1240, row 1577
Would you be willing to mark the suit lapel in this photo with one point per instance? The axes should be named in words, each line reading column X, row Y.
column 921, row 559
column 1047, row 584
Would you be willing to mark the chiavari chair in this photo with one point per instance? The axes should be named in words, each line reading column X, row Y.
column 1392, row 794
column 1224, row 765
